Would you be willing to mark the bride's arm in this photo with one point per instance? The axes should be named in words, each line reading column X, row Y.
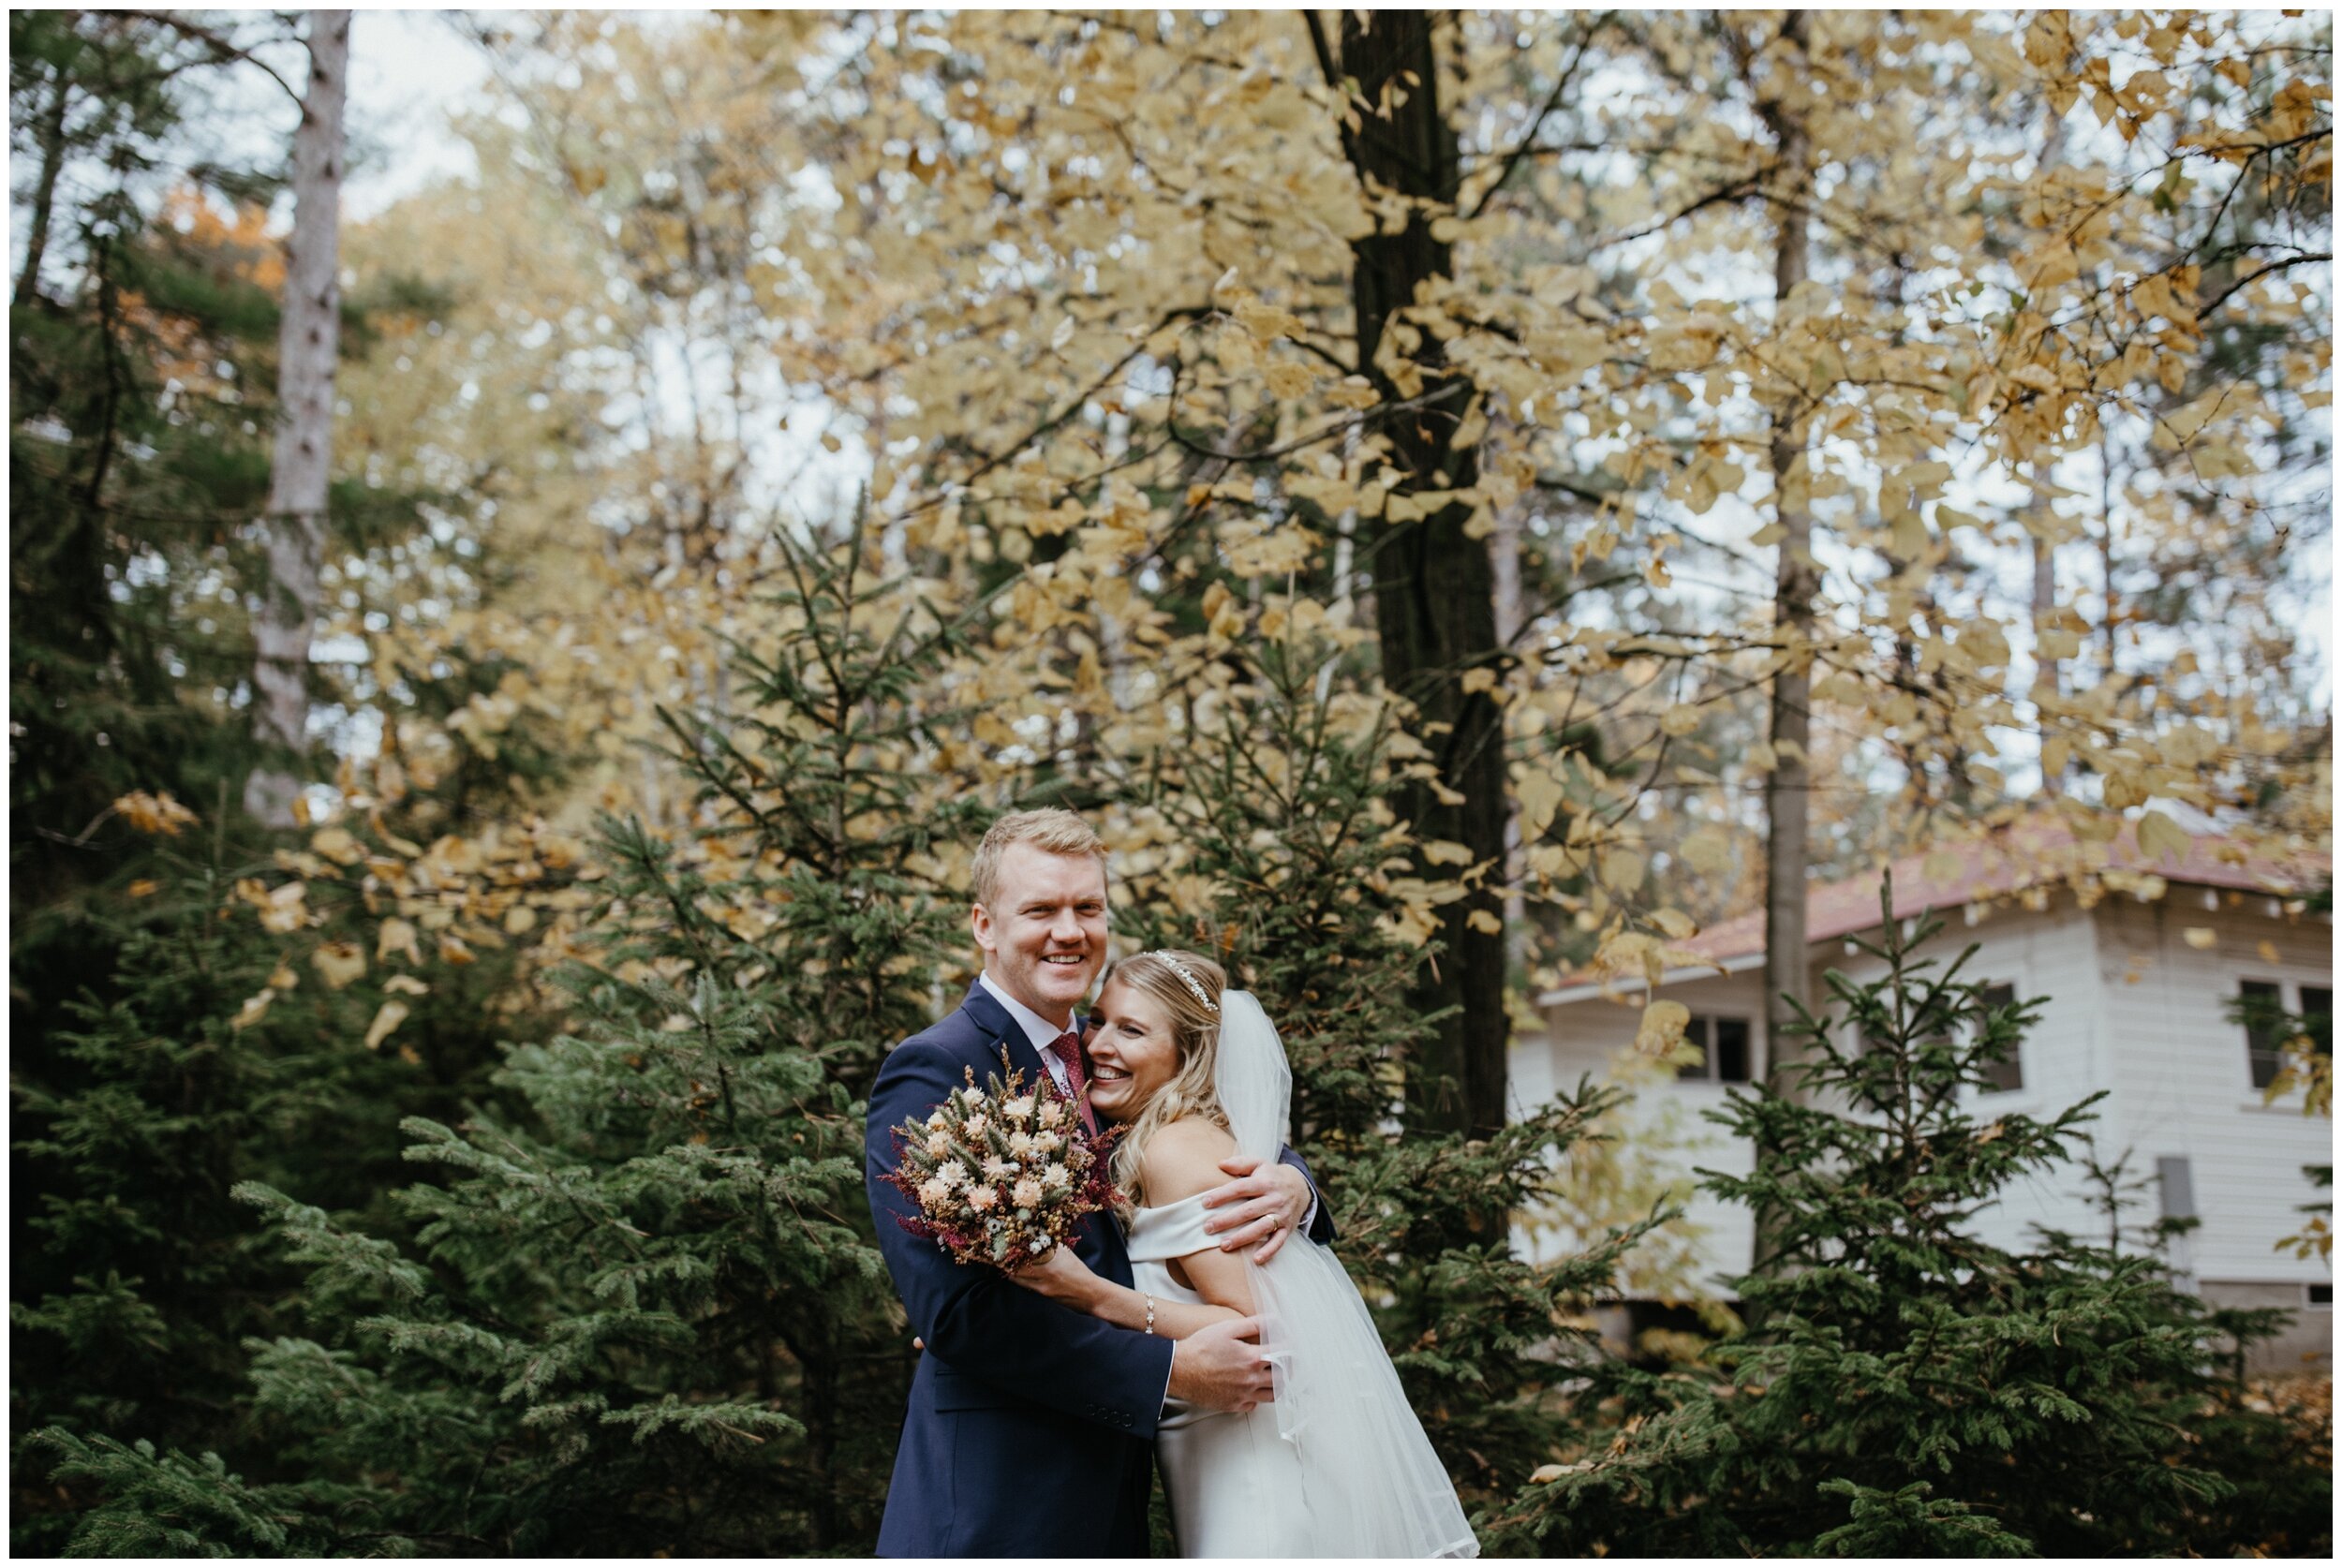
column 1066, row 1279
column 1181, row 1160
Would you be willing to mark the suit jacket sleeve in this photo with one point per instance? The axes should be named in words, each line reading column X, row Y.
column 1321, row 1222
column 981, row 1324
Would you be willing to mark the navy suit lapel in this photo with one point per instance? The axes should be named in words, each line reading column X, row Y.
column 1000, row 1030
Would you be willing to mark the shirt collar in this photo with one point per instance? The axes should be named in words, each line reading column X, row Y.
column 1037, row 1030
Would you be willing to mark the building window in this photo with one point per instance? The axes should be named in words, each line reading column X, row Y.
column 1723, row 1047
column 2002, row 1076
column 2317, row 1017
column 2317, row 1296
column 2260, row 1004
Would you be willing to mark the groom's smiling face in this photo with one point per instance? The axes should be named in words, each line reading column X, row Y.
column 1044, row 934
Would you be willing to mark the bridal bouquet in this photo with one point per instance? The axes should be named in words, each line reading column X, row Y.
column 1000, row 1173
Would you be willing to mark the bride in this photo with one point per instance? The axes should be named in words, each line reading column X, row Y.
column 1337, row 1464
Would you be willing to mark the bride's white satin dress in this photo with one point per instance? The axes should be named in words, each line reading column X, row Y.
column 1234, row 1485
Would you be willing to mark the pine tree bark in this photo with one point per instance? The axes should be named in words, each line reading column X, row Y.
column 308, row 340
column 49, row 134
column 1789, row 788
column 1434, row 586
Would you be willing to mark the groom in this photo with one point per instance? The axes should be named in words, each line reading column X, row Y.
column 1030, row 1427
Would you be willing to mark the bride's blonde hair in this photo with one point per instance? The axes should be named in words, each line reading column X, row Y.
column 1194, row 1030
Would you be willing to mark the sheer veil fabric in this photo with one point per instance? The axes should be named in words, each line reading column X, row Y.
column 1373, row 1485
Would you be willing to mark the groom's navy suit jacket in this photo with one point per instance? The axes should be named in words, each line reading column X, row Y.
column 1030, row 1427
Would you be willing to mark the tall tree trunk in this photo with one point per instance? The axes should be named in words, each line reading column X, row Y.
column 1434, row 588
column 1789, row 788
column 307, row 341
column 2049, row 681
column 49, row 134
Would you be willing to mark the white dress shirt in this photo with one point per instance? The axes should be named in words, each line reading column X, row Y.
column 1037, row 1030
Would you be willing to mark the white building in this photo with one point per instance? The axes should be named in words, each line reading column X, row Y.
column 2141, row 971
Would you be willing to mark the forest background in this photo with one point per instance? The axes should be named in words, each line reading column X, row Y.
column 502, row 693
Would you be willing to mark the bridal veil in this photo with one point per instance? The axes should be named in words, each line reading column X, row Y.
column 1374, row 1486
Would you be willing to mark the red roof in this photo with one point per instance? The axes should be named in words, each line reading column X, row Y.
column 2036, row 851
column 2022, row 859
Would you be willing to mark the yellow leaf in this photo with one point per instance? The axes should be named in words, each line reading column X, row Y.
column 254, row 1010
column 1709, row 849
column 283, row 909
column 1663, row 1025
column 154, row 814
column 387, row 1017
column 283, row 978
column 340, row 962
column 1680, row 720
column 453, row 951
column 2201, row 937
column 2161, row 838
column 338, row 846
column 145, row 887
column 1445, row 851
column 1540, row 795
column 2268, row 950
column 397, row 936
column 1622, row 870
column 1675, row 923
column 407, row 983
column 519, row 920
column 1909, row 537
column 1486, row 923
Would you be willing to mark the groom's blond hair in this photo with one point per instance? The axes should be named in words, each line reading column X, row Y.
column 1051, row 828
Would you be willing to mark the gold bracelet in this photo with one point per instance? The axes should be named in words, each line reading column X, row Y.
column 1150, row 1312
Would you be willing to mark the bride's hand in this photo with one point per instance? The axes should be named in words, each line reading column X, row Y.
column 1061, row 1277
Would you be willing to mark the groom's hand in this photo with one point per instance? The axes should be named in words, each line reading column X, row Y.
column 1264, row 1204
column 1219, row 1367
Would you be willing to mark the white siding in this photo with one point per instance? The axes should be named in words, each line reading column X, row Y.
column 2183, row 1086
column 1586, row 1037
column 2160, row 1042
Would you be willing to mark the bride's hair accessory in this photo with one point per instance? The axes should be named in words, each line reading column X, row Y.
column 1184, row 973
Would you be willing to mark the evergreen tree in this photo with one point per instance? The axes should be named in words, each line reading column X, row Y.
column 1908, row 1389
column 206, row 1057
column 642, row 1314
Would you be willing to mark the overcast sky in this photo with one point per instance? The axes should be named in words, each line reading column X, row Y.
column 406, row 70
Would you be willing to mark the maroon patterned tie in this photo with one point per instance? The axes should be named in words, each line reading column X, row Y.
column 1067, row 1048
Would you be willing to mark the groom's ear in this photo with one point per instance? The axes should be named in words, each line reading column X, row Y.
column 980, row 923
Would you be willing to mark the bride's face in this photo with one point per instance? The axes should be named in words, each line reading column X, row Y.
column 1133, row 1052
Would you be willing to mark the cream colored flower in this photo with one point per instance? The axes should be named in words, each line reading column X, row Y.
column 1020, row 1144
column 1027, row 1194
column 998, row 1169
column 939, row 1144
column 1058, row 1175
column 977, row 1124
column 952, row 1174
column 1047, row 1143
column 1018, row 1109
column 982, row 1198
column 1052, row 1112
column 937, row 1122
column 933, row 1193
